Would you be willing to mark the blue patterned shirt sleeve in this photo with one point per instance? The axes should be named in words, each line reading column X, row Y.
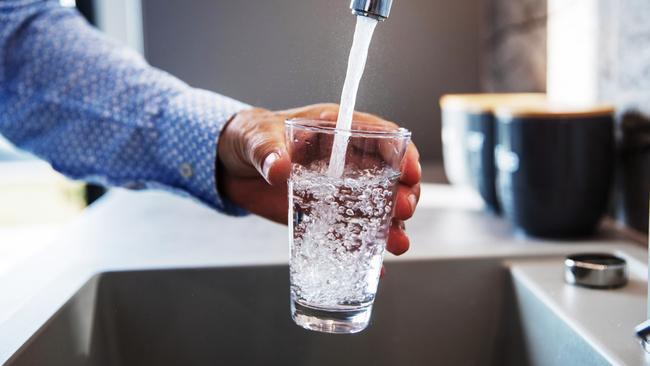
column 97, row 111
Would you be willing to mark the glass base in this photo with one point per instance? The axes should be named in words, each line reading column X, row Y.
column 331, row 321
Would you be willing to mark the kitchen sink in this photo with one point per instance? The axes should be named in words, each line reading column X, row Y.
column 443, row 311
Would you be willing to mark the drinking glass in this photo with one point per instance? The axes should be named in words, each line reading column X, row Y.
column 338, row 225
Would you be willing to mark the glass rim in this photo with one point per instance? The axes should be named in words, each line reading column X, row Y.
column 309, row 125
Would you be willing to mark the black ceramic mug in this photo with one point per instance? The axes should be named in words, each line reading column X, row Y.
column 468, row 136
column 555, row 168
column 632, row 184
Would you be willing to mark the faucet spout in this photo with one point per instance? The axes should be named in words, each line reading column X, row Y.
column 377, row 9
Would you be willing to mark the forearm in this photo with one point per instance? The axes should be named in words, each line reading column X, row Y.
column 97, row 111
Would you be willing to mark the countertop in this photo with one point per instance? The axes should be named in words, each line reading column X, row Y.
column 140, row 230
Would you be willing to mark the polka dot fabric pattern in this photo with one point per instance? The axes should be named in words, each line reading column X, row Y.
column 97, row 111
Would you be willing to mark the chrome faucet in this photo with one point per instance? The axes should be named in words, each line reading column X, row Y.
column 377, row 9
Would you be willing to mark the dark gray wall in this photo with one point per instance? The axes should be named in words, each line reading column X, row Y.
column 515, row 46
column 285, row 53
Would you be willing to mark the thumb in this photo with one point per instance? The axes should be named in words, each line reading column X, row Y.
column 270, row 158
column 276, row 168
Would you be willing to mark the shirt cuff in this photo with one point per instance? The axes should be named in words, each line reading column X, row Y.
column 189, row 129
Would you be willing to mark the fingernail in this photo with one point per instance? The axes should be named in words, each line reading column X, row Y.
column 419, row 169
column 268, row 163
column 413, row 201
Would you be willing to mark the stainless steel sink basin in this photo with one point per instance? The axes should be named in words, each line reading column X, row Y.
column 446, row 312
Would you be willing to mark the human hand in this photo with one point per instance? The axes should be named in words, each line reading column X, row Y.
column 254, row 166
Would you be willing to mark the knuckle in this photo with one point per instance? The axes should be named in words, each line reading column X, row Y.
column 259, row 146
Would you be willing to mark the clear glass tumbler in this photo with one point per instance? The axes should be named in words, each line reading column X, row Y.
column 339, row 224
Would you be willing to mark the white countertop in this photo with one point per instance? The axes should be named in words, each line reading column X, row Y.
column 138, row 230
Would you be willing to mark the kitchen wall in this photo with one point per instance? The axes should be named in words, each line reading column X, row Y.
column 285, row 53
column 515, row 46
column 121, row 19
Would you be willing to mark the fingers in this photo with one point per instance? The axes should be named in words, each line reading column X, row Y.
column 367, row 117
column 279, row 171
column 411, row 168
column 406, row 201
column 317, row 111
column 267, row 153
column 398, row 242
column 330, row 114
